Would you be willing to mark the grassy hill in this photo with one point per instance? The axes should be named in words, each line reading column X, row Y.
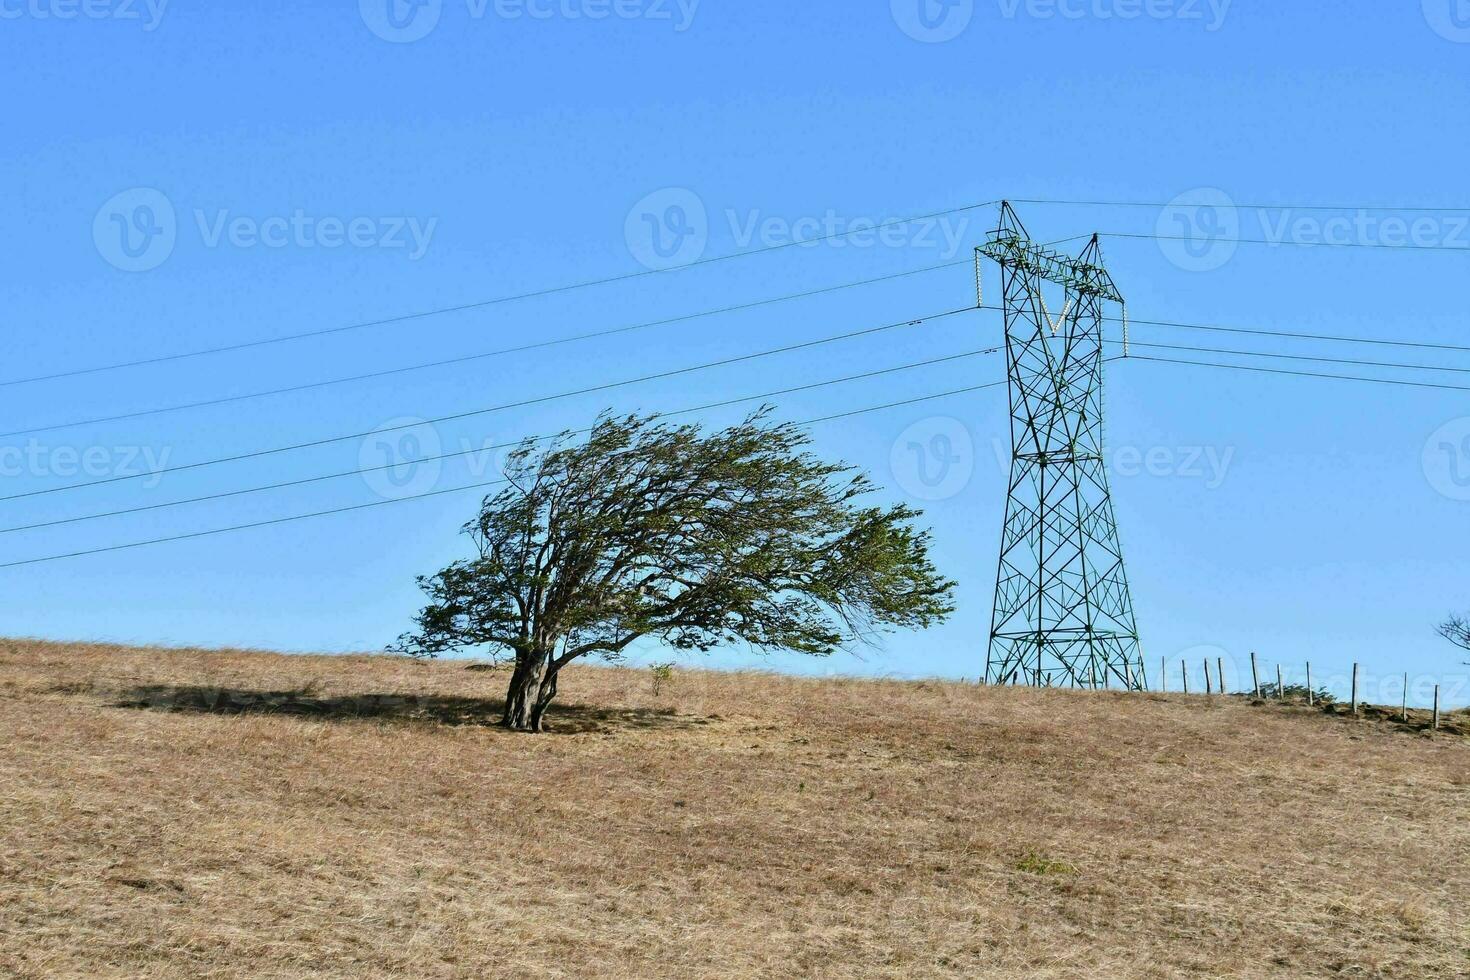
column 185, row 813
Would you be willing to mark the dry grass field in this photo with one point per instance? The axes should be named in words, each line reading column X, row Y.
column 184, row 813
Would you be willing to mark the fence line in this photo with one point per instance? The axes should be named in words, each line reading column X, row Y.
column 1356, row 703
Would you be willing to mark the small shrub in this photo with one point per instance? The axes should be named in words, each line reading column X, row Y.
column 662, row 674
column 1293, row 692
column 1037, row 864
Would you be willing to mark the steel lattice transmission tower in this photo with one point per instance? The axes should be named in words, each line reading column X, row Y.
column 1063, row 615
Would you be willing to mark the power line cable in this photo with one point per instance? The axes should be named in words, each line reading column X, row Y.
column 1252, row 207
column 432, row 493
column 232, row 399
column 482, row 304
column 36, row 430
column 608, row 280
column 1300, row 374
column 1292, row 335
column 865, row 375
column 1267, row 241
column 723, row 362
column 738, row 307
column 1297, row 357
column 506, row 445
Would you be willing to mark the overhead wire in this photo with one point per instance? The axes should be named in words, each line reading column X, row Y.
column 1231, row 240
column 419, row 496
column 1301, row 374
column 1252, row 207
column 482, row 304
column 468, row 358
column 1295, row 335
column 438, row 457
column 1357, row 362
column 538, row 400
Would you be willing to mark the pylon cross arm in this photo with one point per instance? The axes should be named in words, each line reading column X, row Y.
column 1083, row 278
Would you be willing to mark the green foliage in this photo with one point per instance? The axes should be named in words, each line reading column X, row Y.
column 648, row 529
column 1294, row 692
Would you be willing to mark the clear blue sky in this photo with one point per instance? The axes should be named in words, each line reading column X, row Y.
column 317, row 164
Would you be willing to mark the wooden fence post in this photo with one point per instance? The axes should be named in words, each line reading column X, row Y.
column 1311, row 698
column 1436, row 707
column 1255, row 675
column 1184, row 669
column 1355, row 690
column 1220, row 672
column 1280, row 686
column 1208, row 689
column 1163, row 675
column 1406, row 698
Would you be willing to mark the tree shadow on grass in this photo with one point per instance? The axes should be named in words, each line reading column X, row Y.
column 561, row 719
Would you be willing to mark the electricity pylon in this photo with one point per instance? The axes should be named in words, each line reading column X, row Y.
column 1063, row 615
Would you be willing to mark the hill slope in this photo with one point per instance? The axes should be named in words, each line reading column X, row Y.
column 190, row 813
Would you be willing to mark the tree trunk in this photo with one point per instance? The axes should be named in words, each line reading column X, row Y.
column 532, row 687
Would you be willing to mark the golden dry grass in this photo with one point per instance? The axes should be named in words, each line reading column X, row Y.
column 734, row 825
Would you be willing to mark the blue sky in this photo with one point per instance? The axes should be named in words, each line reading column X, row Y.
column 321, row 164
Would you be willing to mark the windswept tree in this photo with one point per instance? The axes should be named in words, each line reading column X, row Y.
column 651, row 530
